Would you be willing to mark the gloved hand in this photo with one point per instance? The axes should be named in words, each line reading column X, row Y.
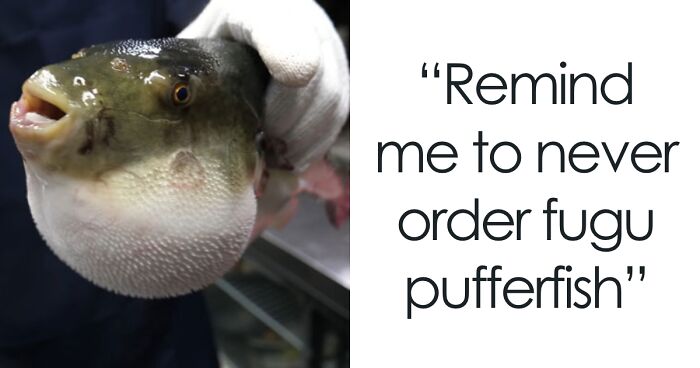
column 307, row 101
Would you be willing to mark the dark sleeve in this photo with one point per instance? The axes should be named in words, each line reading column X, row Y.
column 179, row 13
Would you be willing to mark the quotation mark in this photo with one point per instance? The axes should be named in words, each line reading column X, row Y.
column 630, row 271
column 436, row 71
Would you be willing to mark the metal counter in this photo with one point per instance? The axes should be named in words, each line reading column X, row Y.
column 308, row 260
column 310, row 253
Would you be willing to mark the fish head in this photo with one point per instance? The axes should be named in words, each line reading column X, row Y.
column 140, row 159
column 114, row 104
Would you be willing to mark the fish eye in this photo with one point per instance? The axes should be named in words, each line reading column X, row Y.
column 181, row 94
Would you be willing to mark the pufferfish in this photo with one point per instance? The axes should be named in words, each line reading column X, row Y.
column 144, row 161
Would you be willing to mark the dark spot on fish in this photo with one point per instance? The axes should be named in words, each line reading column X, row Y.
column 86, row 147
column 193, row 133
column 105, row 123
column 110, row 129
column 88, row 144
column 169, row 136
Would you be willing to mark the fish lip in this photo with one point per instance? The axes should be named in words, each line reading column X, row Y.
column 25, row 130
column 38, row 88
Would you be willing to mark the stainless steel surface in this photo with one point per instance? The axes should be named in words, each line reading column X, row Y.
column 269, row 305
column 312, row 239
column 311, row 254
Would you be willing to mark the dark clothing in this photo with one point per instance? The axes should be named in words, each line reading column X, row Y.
column 156, row 334
column 49, row 315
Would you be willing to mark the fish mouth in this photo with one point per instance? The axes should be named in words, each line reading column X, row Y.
column 41, row 115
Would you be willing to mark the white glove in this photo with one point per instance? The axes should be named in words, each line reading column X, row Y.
column 308, row 99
